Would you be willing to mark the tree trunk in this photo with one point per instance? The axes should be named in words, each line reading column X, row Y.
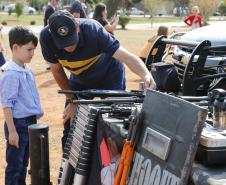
column 152, row 20
column 112, row 6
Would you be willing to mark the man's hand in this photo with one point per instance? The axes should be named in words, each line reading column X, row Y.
column 136, row 65
column 69, row 113
column 14, row 139
column 149, row 82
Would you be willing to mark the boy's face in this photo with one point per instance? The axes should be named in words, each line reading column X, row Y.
column 24, row 53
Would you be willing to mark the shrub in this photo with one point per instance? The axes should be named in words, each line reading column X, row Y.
column 19, row 9
column 123, row 21
column 10, row 11
column 32, row 22
column 4, row 23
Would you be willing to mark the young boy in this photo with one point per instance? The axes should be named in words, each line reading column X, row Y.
column 20, row 102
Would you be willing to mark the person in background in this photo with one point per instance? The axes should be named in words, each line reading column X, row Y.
column 20, row 103
column 84, row 6
column 2, row 48
column 50, row 9
column 77, row 10
column 100, row 14
column 162, row 30
column 194, row 20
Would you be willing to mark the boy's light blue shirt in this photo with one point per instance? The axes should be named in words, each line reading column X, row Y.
column 18, row 91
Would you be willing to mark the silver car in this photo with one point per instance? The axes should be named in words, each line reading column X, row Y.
column 216, row 34
column 199, row 57
column 201, row 68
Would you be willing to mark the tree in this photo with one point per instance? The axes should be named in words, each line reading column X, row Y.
column 37, row 3
column 222, row 9
column 123, row 21
column 206, row 7
column 93, row 1
column 152, row 6
column 130, row 3
column 114, row 5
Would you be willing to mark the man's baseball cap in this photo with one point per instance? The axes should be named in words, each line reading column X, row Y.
column 62, row 29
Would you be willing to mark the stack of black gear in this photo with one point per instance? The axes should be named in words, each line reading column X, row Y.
column 78, row 150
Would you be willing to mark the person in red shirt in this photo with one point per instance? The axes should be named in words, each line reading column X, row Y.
column 194, row 20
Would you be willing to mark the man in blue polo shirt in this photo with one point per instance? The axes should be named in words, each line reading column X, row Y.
column 91, row 54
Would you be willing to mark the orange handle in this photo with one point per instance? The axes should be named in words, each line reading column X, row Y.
column 121, row 164
column 127, row 163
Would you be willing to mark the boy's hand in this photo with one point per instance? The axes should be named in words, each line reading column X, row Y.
column 14, row 139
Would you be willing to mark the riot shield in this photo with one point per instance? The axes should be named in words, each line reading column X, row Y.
column 168, row 140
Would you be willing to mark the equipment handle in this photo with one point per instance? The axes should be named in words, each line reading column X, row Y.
column 127, row 163
column 121, row 164
column 110, row 101
column 43, row 151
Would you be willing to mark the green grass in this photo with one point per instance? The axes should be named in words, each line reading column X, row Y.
column 142, row 20
column 13, row 20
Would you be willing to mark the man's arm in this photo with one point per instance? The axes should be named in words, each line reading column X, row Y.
column 136, row 65
column 63, row 82
column 61, row 78
column 13, row 135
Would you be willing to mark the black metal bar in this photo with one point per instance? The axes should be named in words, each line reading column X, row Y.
column 202, row 103
column 219, row 47
column 194, row 98
column 177, row 34
column 103, row 93
column 39, row 154
column 194, row 69
column 156, row 52
column 210, row 77
column 180, row 42
column 214, row 66
column 109, row 101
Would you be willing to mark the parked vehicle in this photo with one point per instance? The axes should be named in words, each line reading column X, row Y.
column 199, row 58
column 26, row 9
column 29, row 10
column 135, row 11
column 214, row 33
column 216, row 13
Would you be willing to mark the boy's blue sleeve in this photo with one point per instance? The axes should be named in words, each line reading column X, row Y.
column 9, row 85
